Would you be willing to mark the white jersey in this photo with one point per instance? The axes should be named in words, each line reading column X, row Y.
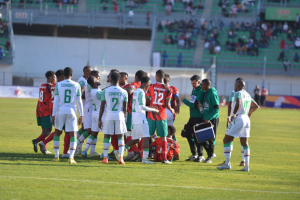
column 83, row 83
column 88, row 97
column 139, row 99
column 114, row 97
column 96, row 99
column 67, row 92
column 246, row 101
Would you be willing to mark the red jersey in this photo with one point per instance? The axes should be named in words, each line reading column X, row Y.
column 133, row 86
column 175, row 94
column 45, row 102
column 158, row 93
column 172, row 150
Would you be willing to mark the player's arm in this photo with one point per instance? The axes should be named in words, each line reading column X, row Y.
column 253, row 107
column 188, row 103
column 80, row 107
column 55, row 104
column 142, row 104
column 230, row 103
column 178, row 102
column 148, row 101
column 129, row 90
column 102, row 107
column 215, row 111
column 169, row 106
column 237, row 105
column 125, row 104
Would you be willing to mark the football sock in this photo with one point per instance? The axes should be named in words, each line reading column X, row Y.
column 140, row 147
column 106, row 145
column 114, row 142
column 89, row 142
column 247, row 155
column 79, row 132
column 56, row 145
column 41, row 138
column 164, row 150
column 242, row 153
column 73, row 145
column 93, row 146
column 49, row 138
column 127, row 147
column 227, row 152
column 121, row 146
column 145, row 154
column 128, row 138
column 66, row 143
column 82, row 137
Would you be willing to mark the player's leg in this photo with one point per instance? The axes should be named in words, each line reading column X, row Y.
column 187, row 132
column 134, row 138
column 88, row 144
column 243, row 157
column 245, row 134
column 108, row 130
column 211, row 143
column 45, row 123
column 43, row 144
column 134, row 151
column 120, row 129
column 93, row 146
column 73, row 144
column 162, row 131
column 144, row 133
column 67, row 140
column 87, row 121
column 59, row 123
column 71, row 127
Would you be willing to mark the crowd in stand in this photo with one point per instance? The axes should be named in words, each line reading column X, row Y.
column 231, row 10
column 59, row 3
column 185, row 31
column 189, row 6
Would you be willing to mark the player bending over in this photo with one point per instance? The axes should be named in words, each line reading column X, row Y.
column 67, row 93
column 115, row 98
column 239, row 126
column 140, row 129
column 44, row 109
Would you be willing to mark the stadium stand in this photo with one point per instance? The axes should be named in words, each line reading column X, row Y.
column 236, row 8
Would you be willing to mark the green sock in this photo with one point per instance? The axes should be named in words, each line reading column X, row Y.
column 92, row 137
column 80, row 131
column 127, row 147
column 85, row 134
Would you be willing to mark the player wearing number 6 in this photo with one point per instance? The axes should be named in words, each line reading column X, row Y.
column 159, row 96
column 239, row 126
column 67, row 93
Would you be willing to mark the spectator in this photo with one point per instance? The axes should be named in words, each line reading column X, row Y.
column 159, row 27
column 165, row 57
column 282, row 44
column 148, row 18
column 192, row 45
column 297, row 21
column 165, row 39
column 221, row 25
column 7, row 45
column 286, row 65
column 0, row 16
column 176, row 38
column 170, row 40
column 104, row 7
column 223, row 101
column 224, row 11
column 233, row 12
column 206, row 44
column 130, row 15
column 237, row 26
column 181, row 42
column 116, row 7
column 179, row 59
column 264, row 93
column 243, row 26
column 285, row 27
column 279, row 27
column 168, row 9
column 230, row 34
column 296, row 57
column 120, row 16
column 231, row 25
column 256, row 94
column 281, row 56
column 238, row 48
column 297, row 43
column 1, row 53
column 217, row 49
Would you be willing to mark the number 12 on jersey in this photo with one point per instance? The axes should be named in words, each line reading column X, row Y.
column 158, row 98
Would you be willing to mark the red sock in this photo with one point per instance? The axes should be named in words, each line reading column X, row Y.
column 114, row 142
column 48, row 139
column 41, row 138
column 66, row 143
column 164, row 150
column 140, row 147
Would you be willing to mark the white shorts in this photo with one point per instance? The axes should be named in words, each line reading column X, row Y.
column 170, row 117
column 69, row 120
column 140, row 131
column 112, row 127
column 239, row 127
column 87, row 118
column 95, row 118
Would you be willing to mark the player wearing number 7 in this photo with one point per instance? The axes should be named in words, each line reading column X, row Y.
column 159, row 96
column 67, row 93
column 239, row 126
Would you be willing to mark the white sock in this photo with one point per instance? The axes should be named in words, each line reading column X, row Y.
column 121, row 146
column 106, row 145
column 227, row 152
column 247, row 155
column 93, row 147
column 73, row 145
column 88, row 144
column 56, row 148
column 242, row 153
column 145, row 154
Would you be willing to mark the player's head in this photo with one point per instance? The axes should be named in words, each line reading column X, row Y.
column 159, row 76
column 138, row 75
column 195, row 81
column 166, row 79
column 93, row 82
column 68, row 72
column 51, row 77
column 171, row 131
column 123, row 78
column 205, row 84
column 114, row 78
column 147, row 74
column 112, row 70
column 96, row 74
column 87, row 71
column 145, row 83
column 239, row 85
column 60, row 75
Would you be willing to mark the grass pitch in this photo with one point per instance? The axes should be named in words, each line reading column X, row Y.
column 274, row 164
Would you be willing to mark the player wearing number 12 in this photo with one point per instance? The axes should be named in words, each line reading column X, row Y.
column 239, row 126
column 159, row 96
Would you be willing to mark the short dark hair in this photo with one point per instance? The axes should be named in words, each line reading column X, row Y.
column 86, row 68
column 115, row 77
column 145, row 79
column 239, row 79
column 59, row 73
column 172, row 130
column 139, row 74
column 91, row 80
column 94, row 73
column 195, row 78
column 49, row 74
column 124, row 74
column 114, row 70
column 160, row 73
column 166, row 78
column 68, row 71
column 206, row 81
column 241, row 82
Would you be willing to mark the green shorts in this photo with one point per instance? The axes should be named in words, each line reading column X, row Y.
column 161, row 127
column 44, row 122
column 129, row 122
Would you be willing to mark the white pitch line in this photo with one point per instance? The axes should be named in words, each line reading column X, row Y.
column 151, row 185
